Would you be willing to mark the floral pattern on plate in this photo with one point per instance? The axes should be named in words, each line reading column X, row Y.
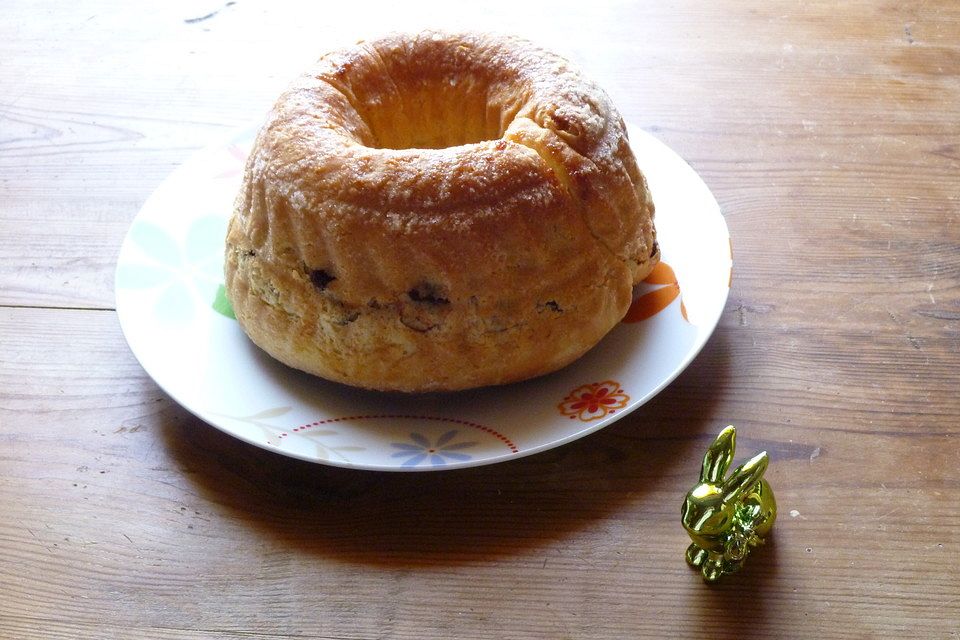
column 175, row 315
column 647, row 304
column 594, row 401
column 182, row 272
column 421, row 448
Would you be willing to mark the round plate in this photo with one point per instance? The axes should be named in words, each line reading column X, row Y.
column 179, row 325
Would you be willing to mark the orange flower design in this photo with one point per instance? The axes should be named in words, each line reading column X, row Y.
column 652, row 303
column 594, row 401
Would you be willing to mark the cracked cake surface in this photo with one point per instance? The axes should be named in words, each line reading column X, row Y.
column 438, row 212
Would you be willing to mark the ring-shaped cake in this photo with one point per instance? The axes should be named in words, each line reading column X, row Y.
column 435, row 212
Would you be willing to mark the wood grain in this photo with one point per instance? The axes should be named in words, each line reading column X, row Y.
column 127, row 509
column 830, row 134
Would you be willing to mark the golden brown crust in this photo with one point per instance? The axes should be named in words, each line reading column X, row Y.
column 438, row 212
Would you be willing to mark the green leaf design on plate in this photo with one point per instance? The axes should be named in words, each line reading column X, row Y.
column 205, row 239
column 221, row 304
column 175, row 305
column 141, row 276
column 209, row 270
column 156, row 243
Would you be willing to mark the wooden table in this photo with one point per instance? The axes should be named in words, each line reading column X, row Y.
column 830, row 135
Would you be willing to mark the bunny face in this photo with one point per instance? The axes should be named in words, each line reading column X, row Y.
column 707, row 517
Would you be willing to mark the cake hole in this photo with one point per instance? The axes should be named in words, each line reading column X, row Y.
column 427, row 293
column 321, row 279
column 552, row 306
column 431, row 97
column 655, row 249
column 439, row 114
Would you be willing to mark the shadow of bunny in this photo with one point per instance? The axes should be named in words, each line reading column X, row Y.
column 736, row 606
column 456, row 516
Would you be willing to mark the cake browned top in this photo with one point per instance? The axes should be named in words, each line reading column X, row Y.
column 415, row 197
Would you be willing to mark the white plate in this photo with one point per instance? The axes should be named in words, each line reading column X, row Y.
column 169, row 301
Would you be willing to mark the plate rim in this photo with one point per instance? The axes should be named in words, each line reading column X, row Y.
column 705, row 332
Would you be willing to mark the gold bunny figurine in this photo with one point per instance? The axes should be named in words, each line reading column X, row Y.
column 727, row 518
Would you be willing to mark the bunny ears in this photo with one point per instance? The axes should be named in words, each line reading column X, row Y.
column 718, row 458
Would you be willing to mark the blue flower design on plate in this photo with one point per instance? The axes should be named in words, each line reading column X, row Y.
column 438, row 453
